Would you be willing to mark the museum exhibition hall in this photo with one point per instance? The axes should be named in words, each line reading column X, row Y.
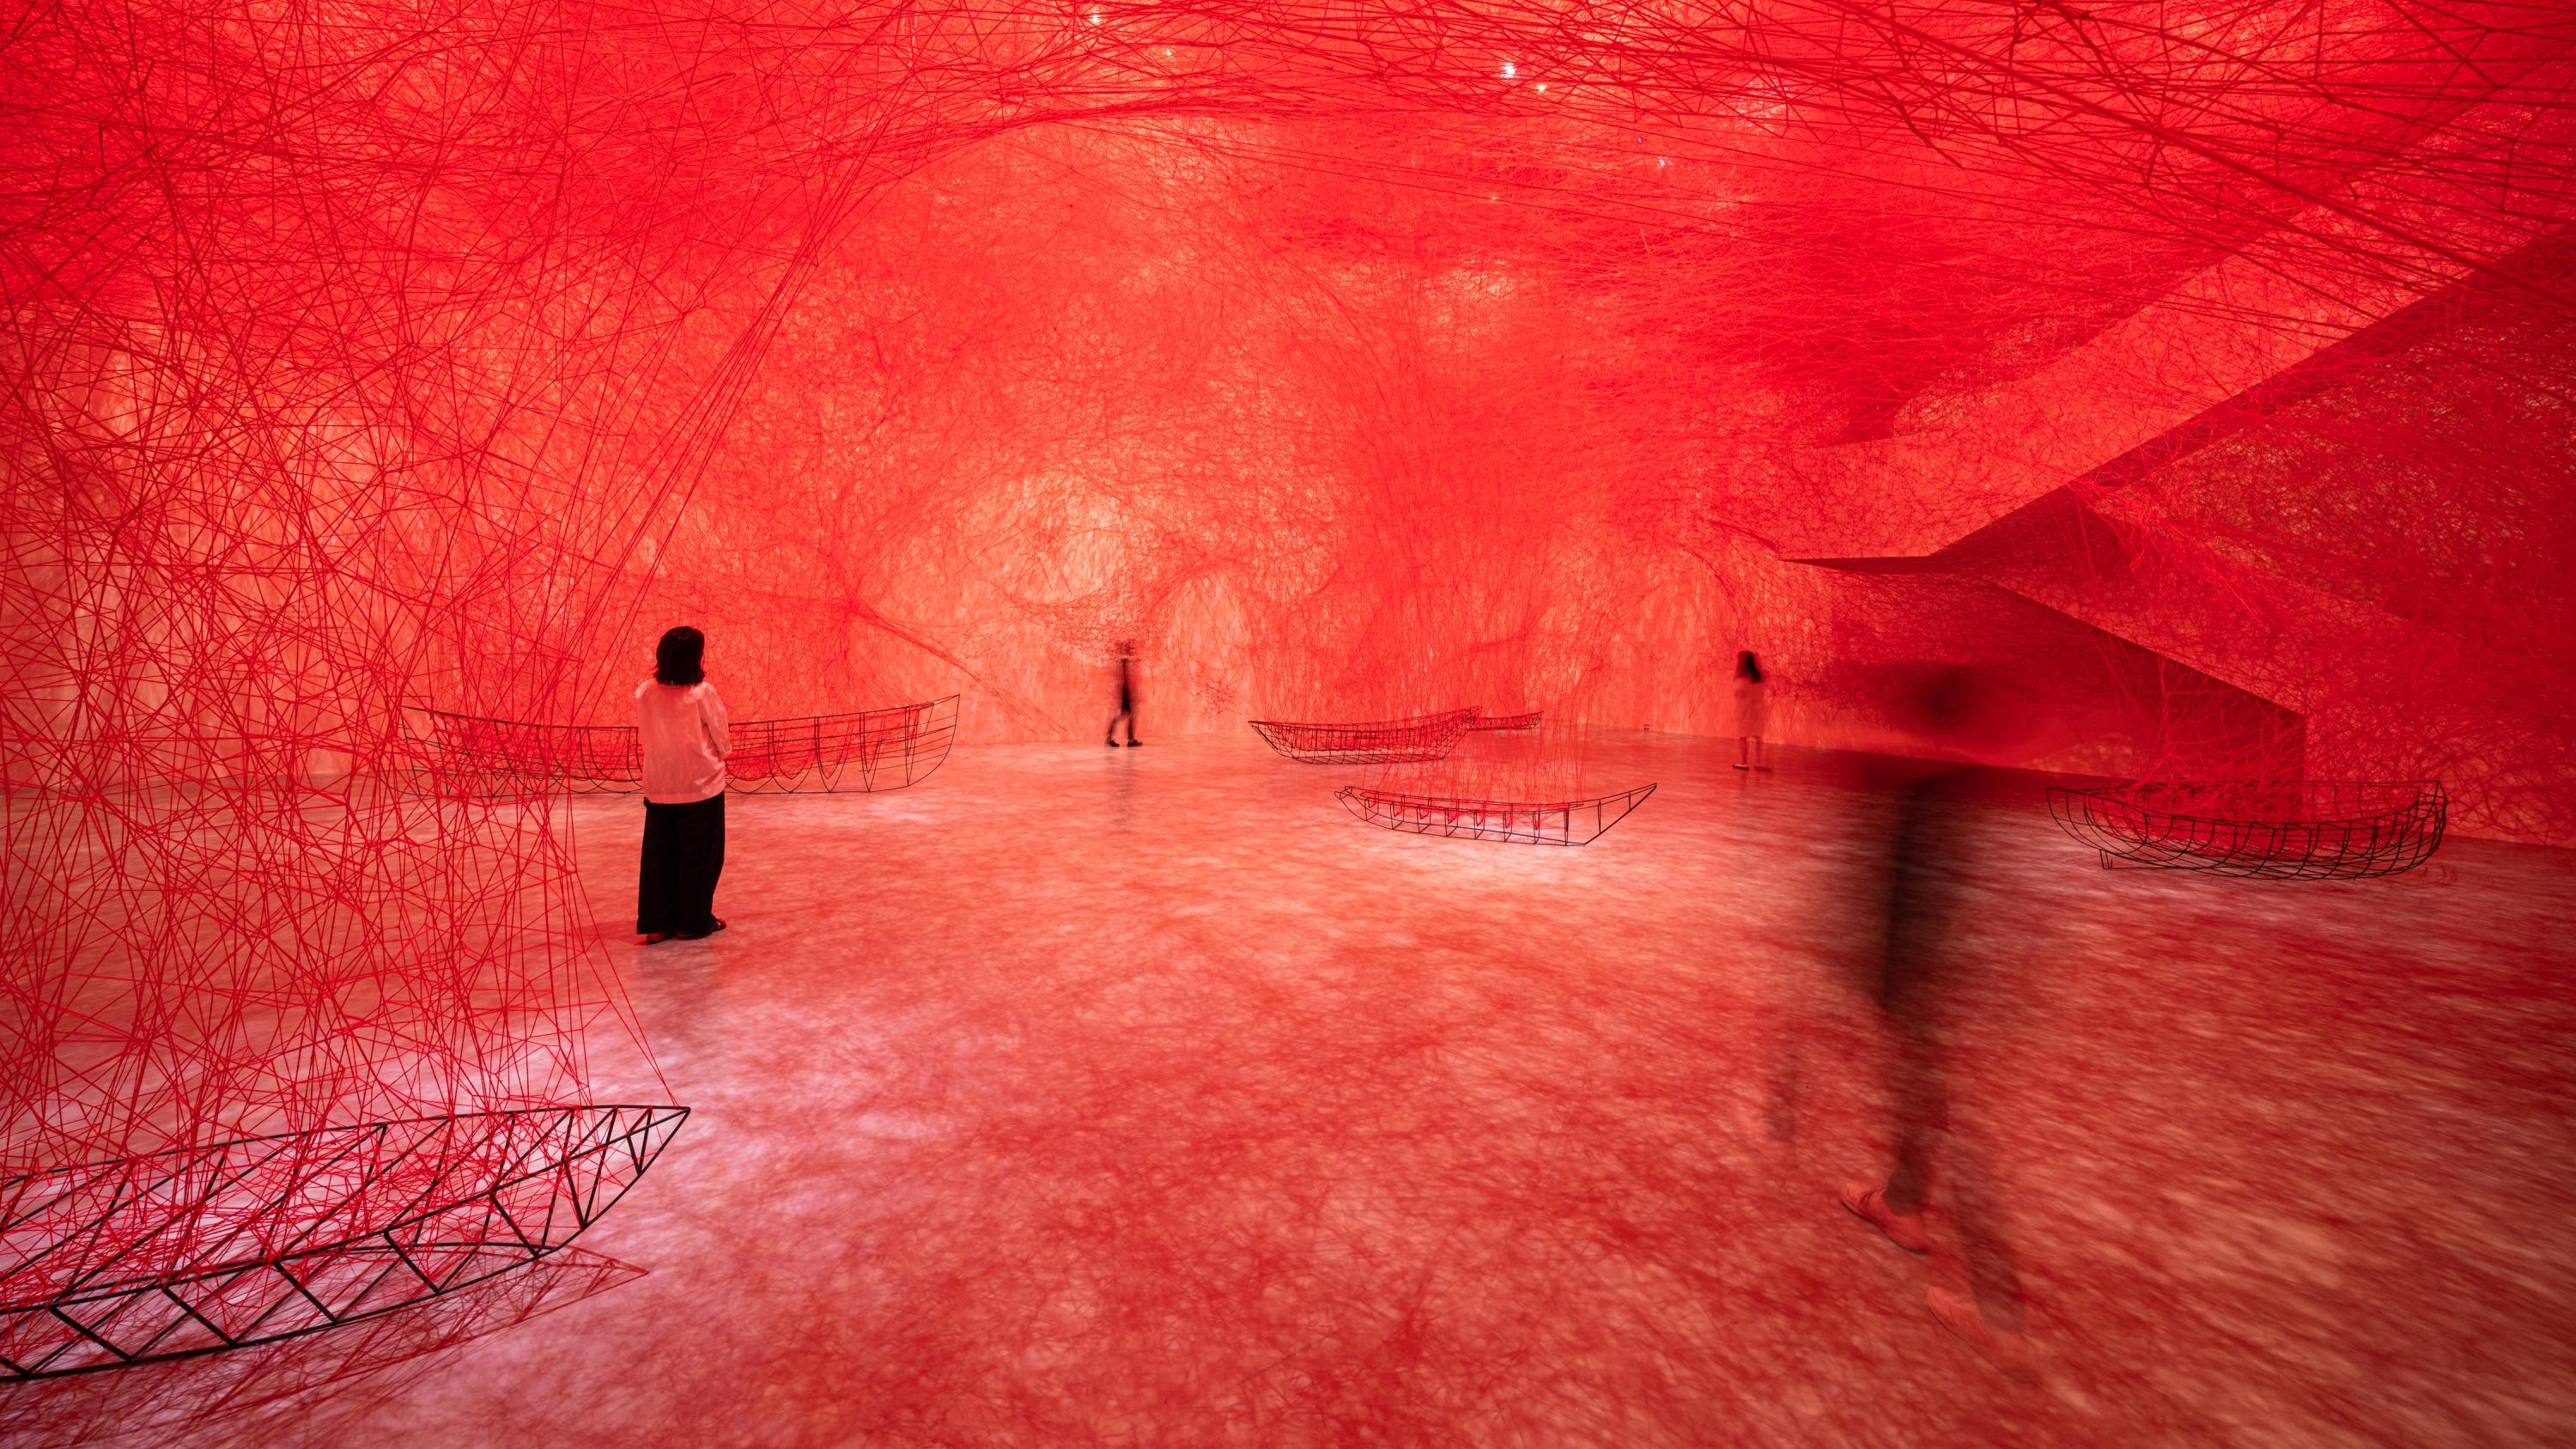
column 1827, row 723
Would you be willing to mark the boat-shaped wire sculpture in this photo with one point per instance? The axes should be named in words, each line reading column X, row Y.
column 2289, row 830
column 1381, row 742
column 259, row 1394
column 1485, row 723
column 877, row 749
column 1560, row 822
column 205, row 1249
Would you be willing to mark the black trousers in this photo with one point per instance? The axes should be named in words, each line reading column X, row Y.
column 683, row 854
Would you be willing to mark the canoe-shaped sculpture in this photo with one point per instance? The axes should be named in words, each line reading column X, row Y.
column 1560, row 822
column 1381, row 742
column 2291, row 830
column 260, row 1395
column 1485, row 723
column 206, row 1249
column 468, row 753
column 877, row 749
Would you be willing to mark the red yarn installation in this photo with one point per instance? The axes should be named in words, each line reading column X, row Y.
column 2204, row 379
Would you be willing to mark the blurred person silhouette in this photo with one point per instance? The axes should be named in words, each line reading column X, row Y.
column 1936, row 1174
column 1126, row 694
column 1752, row 711
column 680, row 724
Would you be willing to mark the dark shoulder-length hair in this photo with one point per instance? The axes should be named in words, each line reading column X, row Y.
column 681, row 657
column 1747, row 667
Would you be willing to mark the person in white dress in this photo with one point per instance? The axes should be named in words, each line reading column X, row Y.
column 1752, row 711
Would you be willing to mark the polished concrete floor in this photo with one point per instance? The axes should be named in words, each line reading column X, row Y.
column 1145, row 1097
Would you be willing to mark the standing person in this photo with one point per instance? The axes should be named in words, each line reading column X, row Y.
column 680, row 723
column 1126, row 694
column 1975, row 1292
column 1752, row 711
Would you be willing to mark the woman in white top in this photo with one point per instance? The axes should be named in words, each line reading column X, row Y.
column 680, row 724
column 1752, row 711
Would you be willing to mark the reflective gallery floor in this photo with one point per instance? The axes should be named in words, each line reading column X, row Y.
column 1134, row 1097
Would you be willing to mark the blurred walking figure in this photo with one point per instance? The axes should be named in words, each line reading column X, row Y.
column 1752, row 711
column 1126, row 694
column 1916, row 984
column 680, row 723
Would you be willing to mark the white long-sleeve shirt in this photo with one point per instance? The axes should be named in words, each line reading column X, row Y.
column 682, row 730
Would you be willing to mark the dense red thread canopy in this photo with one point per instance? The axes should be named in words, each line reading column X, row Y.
column 2199, row 374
